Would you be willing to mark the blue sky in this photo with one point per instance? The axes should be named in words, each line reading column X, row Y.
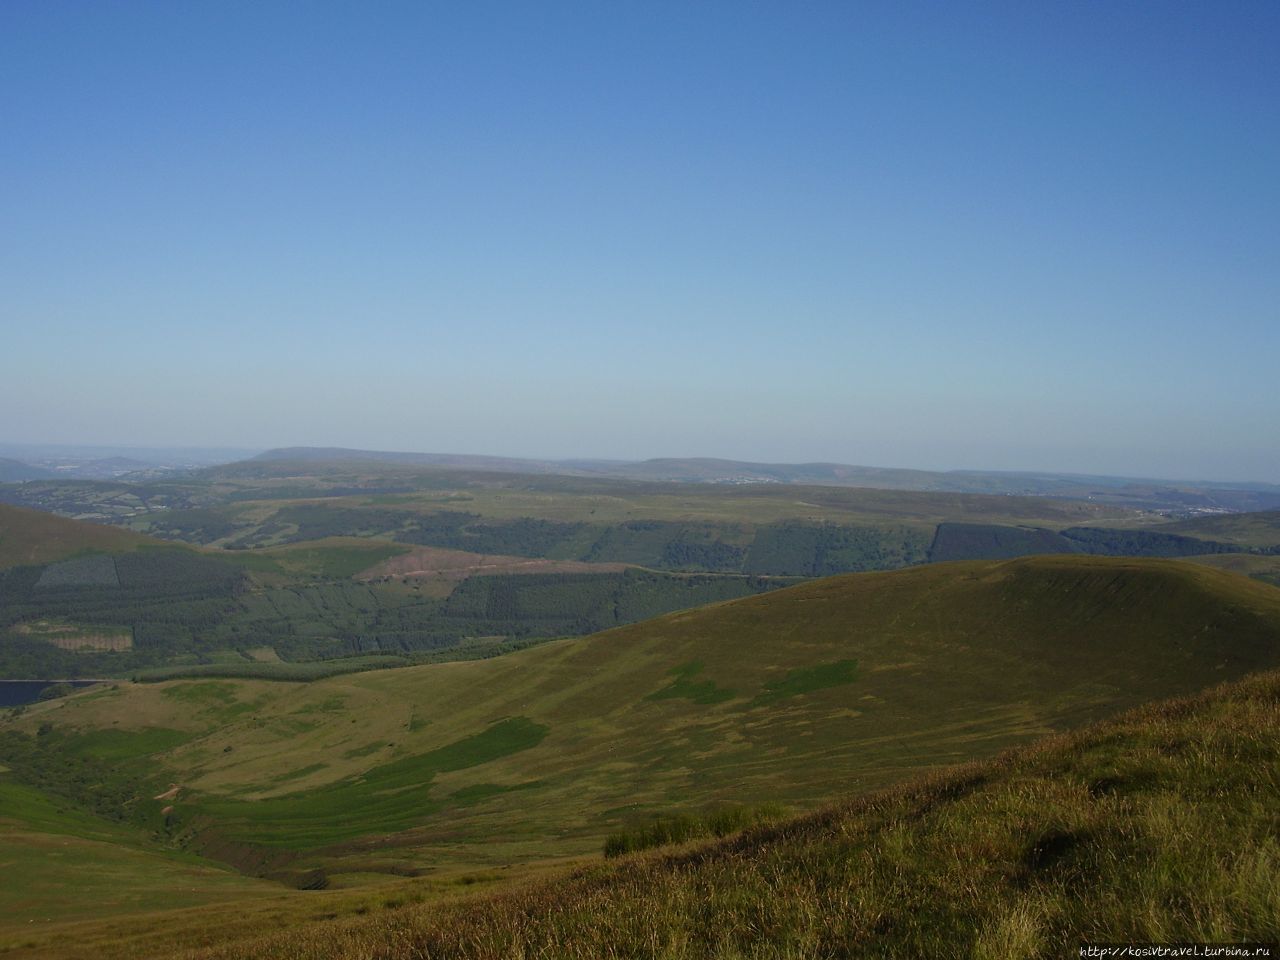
column 1002, row 235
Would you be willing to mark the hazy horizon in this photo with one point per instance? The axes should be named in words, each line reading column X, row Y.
column 69, row 450
column 992, row 237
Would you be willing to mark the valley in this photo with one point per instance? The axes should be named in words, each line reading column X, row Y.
column 296, row 568
column 639, row 481
column 790, row 699
column 337, row 689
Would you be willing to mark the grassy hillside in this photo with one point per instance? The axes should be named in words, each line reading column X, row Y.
column 1265, row 568
column 32, row 536
column 1261, row 529
column 1158, row 826
column 792, row 697
column 45, row 843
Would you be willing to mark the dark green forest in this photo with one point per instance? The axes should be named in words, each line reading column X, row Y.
column 185, row 607
column 985, row 541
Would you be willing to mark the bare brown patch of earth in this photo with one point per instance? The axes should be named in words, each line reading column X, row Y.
column 68, row 636
column 424, row 563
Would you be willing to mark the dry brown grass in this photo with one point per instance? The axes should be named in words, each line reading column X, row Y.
column 70, row 636
column 33, row 536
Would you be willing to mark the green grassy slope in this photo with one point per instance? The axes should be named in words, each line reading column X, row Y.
column 1158, row 826
column 47, row 843
column 793, row 696
column 1265, row 568
column 32, row 536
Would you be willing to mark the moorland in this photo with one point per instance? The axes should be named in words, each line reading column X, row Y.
column 363, row 708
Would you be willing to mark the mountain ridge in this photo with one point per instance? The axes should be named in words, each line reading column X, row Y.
column 1192, row 494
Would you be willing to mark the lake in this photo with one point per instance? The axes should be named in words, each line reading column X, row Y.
column 14, row 693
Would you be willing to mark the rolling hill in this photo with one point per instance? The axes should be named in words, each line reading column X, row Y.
column 463, row 461
column 15, row 471
column 792, row 697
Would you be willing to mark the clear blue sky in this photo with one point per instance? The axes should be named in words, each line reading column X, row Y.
column 1013, row 235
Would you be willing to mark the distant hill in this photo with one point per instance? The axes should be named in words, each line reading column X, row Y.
column 1261, row 529
column 15, row 471
column 33, row 537
column 314, row 455
column 1149, row 494
column 710, row 470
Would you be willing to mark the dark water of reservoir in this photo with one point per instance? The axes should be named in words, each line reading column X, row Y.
column 14, row 693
